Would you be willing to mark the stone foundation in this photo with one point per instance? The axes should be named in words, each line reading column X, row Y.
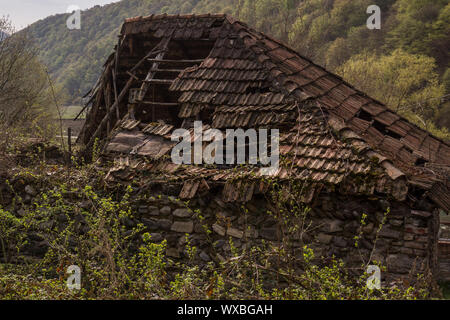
column 406, row 243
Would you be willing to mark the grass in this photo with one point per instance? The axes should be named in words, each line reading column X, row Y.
column 70, row 112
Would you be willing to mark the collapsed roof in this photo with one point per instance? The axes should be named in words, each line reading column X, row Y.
column 169, row 70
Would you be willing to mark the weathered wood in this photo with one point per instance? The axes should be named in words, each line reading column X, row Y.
column 84, row 108
column 114, row 76
column 145, row 58
column 94, row 92
column 144, row 87
column 116, row 60
column 159, row 81
column 169, row 70
column 98, row 99
column 115, row 93
column 164, row 104
column 131, row 44
column 158, row 60
column 132, row 75
column 107, row 95
column 108, row 115
column 120, row 97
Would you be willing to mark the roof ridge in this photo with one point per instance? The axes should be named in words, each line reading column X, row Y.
column 175, row 16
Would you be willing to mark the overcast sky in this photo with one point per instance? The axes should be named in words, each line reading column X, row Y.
column 24, row 12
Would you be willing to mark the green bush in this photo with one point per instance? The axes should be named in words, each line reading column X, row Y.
column 123, row 263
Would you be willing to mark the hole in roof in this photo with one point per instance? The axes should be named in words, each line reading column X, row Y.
column 364, row 115
column 420, row 162
column 408, row 149
column 383, row 129
column 206, row 115
column 379, row 126
column 263, row 89
column 393, row 134
column 158, row 102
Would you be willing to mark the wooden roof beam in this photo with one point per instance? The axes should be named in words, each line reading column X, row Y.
column 164, row 104
column 176, row 61
column 158, row 81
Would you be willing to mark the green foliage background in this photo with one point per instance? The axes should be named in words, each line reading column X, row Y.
column 330, row 32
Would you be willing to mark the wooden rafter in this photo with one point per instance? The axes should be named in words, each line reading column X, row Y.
column 107, row 97
column 170, row 70
column 159, row 60
column 163, row 46
column 120, row 97
column 151, row 74
column 114, row 74
column 165, row 104
column 159, row 81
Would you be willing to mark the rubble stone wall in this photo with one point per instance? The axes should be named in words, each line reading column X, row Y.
column 406, row 242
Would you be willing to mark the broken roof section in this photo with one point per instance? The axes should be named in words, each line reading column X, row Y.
column 170, row 70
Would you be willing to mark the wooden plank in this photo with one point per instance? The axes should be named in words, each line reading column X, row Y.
column 107, row 97
column 122, row 94
column 115, row 71
column 144, row 87
column 132, row 75
column 108, row 115
column 169, row 70
column 159, row 60
column 159, row 50
column 163, row 45
column 115, row 93
column 93, row 93
column 145, row 58
column 166, row 104
column 159, row 81
column 84, row 108
column 116, row 58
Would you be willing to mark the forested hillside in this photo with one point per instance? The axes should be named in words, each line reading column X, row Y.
column 404, row 64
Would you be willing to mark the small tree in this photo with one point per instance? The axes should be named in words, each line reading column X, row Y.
column 26, row 107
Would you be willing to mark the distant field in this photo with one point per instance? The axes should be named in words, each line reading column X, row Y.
column 70, row 112
column 445, row 218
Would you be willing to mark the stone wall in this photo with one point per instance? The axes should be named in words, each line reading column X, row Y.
column 406, row 242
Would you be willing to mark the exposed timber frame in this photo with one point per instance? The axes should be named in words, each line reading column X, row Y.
column 118, row 99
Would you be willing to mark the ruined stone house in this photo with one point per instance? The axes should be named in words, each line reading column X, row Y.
column 351, row 154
